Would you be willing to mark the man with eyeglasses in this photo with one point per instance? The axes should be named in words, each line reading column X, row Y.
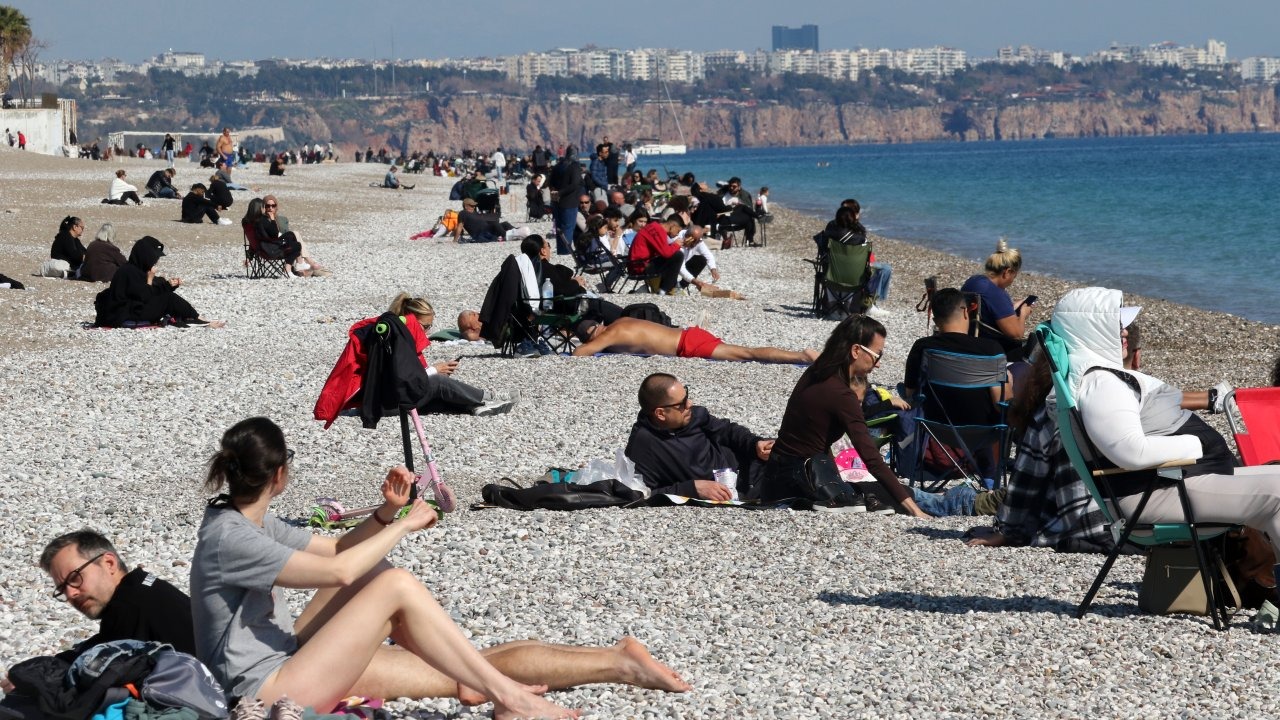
column 677, row 446
column 88, row 573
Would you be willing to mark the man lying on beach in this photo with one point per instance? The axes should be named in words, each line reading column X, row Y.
column 89, row 574
column 678, row 446
column 641, row 337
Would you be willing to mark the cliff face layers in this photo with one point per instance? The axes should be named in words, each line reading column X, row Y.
column 485, row 121
column 481, row 122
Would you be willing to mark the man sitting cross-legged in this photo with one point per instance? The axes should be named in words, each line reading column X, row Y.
column 629, row 335
column 677, row 446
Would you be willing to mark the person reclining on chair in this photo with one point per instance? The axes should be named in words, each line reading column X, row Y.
column 742, row 211
column 677, row 446
column 1137, row 421
column 641, row 337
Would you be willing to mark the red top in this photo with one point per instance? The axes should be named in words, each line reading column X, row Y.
column 650, row 242
column 342, row 387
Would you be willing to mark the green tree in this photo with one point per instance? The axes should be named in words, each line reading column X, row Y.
column 15, row 33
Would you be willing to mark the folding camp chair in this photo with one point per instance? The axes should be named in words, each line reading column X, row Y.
column 1094, row 470
column 258, row 263
column 637, row 280
column 596, row 260
column 944, row 379
column 840, row 280
column 1254, row 416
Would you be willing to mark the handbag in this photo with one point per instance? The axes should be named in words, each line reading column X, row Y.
column 1172, row 584
column 824, row 485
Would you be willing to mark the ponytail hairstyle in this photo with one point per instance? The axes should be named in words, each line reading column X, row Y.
column 67, row 223
column 837, row 354
column 405, row 305
column 250, row 454
column 1004, row 258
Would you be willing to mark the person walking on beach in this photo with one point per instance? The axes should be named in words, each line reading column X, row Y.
column 225, row 148
column 22, row 141
column 168, row 147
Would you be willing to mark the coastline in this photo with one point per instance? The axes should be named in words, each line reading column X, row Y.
column 768, row 614
column 1184, row 345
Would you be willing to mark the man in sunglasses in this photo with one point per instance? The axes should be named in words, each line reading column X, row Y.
column 677, row 446
column 88, row 573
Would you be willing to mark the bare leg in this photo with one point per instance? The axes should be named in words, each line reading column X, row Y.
column 339, row 652
column 725, row 351
column 540, row 665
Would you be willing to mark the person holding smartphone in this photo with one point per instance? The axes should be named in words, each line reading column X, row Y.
column 998, row 318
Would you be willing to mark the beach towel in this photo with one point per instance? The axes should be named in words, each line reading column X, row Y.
column 528, row 281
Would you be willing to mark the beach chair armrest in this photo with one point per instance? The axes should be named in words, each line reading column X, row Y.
column 1161, row 466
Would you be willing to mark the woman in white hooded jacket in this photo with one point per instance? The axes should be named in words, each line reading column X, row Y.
column 121, row 192
column 1137, row 421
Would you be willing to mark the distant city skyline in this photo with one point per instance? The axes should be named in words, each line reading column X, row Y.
column 133, row 30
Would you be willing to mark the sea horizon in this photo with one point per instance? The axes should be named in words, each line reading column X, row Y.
column 1184, row 218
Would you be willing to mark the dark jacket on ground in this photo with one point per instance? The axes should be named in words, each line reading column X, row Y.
column 671, row 461
column 69, row 248
column 101, row 261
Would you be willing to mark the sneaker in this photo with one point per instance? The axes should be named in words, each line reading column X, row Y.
column 857, row 505
column 224, row 221
column 1266, row 619
column 877, row 313
column 493, row 407
column 875, row 507
column 285, row 709
column 301, row 265
column 249, row 709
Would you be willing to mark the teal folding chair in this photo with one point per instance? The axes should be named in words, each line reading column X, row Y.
column 1095, row 471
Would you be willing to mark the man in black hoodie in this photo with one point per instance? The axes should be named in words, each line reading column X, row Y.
column 677, row 446
column 566, row 182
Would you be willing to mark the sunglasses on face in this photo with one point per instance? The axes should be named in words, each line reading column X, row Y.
column 682, row 404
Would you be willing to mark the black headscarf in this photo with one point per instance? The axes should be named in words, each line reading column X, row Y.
column 146, row 253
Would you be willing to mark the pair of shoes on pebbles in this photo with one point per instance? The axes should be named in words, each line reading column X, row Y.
column 497, row 405
column 224, row 221
column 255, row 709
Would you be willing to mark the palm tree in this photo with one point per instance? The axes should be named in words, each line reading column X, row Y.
column 15, row 33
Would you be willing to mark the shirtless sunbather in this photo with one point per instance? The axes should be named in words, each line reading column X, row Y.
column 630, row 335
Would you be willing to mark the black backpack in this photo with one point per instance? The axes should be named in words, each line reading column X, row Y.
column 647, row 311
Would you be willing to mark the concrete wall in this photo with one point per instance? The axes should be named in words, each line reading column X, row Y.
column 46, row 129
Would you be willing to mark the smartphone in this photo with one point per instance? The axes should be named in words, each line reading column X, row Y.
column 1031, row 300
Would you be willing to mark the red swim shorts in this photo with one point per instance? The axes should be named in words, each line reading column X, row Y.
column 697, row 343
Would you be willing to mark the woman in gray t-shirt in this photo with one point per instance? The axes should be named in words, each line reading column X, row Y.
column 243, row 629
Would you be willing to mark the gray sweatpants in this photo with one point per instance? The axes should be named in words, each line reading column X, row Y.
column 1250, row 497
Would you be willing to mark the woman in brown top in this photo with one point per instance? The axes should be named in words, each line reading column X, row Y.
column 823, row 406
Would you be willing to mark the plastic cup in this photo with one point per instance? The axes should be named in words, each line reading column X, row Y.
column 728, row 478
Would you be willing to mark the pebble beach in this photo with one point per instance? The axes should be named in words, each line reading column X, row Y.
column 768, row 614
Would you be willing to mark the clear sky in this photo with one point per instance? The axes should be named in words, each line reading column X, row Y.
column 134, row 30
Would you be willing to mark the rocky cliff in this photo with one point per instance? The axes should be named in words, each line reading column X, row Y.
column 484, row 121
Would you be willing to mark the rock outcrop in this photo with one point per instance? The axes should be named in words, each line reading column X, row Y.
column 484, row 121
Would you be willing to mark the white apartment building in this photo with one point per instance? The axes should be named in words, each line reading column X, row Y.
column 1261, row 69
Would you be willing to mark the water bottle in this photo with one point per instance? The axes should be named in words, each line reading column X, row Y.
column 547, row 293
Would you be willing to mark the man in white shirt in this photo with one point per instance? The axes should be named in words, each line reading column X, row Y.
column 499, row 164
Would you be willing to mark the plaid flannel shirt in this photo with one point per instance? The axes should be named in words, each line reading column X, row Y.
column 1047, row 505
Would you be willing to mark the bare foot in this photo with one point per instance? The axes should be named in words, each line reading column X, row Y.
column 467, row 696
column 641, row 670
column 811, row 354
column 217, row 324
column 528, row 706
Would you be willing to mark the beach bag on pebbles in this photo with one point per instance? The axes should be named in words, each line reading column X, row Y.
column 55, row 269
column 558, row 496
column 1172, row 583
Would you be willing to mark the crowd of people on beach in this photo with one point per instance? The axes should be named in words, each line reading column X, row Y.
column 616, row 222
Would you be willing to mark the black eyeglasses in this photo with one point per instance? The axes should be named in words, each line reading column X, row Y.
column 682, row 404
column 270, row 205
column 74, row 578
column 288, row 457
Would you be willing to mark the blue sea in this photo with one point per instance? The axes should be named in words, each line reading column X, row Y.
column 1193, row 219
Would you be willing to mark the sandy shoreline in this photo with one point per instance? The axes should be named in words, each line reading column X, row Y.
column 768, row 614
